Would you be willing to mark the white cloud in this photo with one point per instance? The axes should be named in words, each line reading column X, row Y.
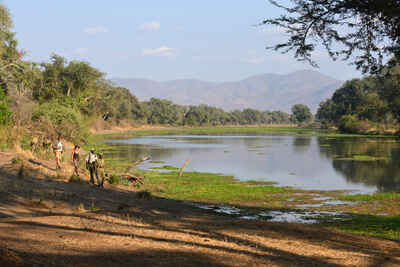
column 96, row 30
column 150, row 26
column 163, row 51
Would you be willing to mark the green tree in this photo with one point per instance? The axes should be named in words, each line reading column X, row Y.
column 5, row 113
column 325, row 111
column 365, row 30
column 301, row 113
column 389, row 89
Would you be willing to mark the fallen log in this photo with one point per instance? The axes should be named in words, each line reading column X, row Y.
column 137, row 163
column 133, row 178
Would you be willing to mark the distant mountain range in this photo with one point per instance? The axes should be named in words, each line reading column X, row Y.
column 263, row 92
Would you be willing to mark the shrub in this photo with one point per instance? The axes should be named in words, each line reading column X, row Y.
column 351, row 124
column 118, row 180
column 65, row 119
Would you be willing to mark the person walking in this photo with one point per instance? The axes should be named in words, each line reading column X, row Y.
column 58, row 151
column 91, row 165
column 75, row 157
column 101, row 172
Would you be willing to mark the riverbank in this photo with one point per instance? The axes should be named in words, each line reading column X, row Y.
column 48, row 221
column 253, row 198
column 237, row 130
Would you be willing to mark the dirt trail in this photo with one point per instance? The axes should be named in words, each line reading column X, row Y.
column 46, row 221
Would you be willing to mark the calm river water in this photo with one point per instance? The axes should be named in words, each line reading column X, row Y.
column 301, row 162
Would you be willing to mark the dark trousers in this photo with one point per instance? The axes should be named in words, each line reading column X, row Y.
column 93, row 173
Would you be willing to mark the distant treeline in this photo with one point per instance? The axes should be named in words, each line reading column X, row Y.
column 158, row 111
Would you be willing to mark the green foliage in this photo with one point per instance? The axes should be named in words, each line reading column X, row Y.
column 25, row 142
column 166, row 167
column 365, row 32
column 359, row 104
column 387, row 227
column 118, row 180
column 371, row 197
column 17, row 160
column 209, row 187
column 5, row 114
column 301, row 113
column 351, row 124
column 165, row 112
column 66, row 120
column 362, row 158
column 120, row 104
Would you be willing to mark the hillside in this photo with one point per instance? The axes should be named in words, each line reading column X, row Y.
column 263, row 92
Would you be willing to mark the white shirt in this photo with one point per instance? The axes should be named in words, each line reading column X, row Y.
column 59, row 147
column 91, row 158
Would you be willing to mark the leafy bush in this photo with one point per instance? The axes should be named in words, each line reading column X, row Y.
column 65, row 119
column 351, row 124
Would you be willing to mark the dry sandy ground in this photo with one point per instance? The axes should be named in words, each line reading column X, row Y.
column 48, row 222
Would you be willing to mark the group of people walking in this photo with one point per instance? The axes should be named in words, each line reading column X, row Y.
column 94, row 162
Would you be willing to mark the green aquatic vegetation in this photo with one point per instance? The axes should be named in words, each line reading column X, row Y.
column 362, row 158
column 157, row 161
column 165, row 167
column 257, row 183
column 372, row 197
column 387, row 227
column 208, row 187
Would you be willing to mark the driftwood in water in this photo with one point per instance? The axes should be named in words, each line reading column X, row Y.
column 136, row 163
column 184, row 166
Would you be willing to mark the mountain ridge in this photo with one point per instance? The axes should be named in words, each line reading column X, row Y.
column 267, row 91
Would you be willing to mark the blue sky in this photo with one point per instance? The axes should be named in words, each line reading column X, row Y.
column 161, row 40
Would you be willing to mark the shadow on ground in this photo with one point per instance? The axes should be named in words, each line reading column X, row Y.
column 45, row 222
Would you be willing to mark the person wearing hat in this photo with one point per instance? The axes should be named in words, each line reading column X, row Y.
column 91, row 165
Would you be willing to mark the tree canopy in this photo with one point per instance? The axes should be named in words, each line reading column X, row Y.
column 366, row 32
column 301, row 113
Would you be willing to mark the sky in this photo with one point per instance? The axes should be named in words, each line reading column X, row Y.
column 161, row 40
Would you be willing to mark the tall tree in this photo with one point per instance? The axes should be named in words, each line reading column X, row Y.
column 301, row 113
column 365, row 30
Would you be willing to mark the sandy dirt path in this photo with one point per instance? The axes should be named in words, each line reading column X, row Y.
column 46, row 221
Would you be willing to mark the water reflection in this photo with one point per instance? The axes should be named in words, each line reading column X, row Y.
column 384, row 173
column 303, row 162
